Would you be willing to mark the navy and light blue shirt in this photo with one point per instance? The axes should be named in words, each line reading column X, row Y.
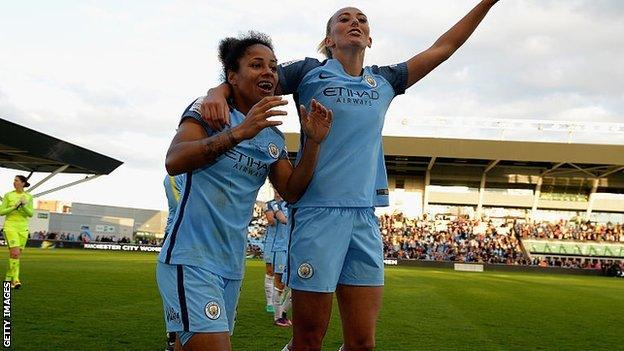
column 282, row 230
column 216, row 204
column 173, row 187
column 350, row 171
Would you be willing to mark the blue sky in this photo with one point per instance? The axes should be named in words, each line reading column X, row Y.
column 113, row 76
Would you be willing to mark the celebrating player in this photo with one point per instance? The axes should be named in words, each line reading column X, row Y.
column 17, row 206
column 201, row 264
column 335, row 240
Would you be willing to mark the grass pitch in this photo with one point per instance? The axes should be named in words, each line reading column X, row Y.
column 92, row 300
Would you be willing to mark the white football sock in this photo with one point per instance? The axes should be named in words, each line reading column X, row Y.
column 268, row 289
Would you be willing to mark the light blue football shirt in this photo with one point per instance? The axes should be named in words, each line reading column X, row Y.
column 210, row 226
column 350, row 171
column 269, row 237
column 282, row 230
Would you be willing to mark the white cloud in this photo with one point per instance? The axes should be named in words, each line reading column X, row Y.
column 115, row 76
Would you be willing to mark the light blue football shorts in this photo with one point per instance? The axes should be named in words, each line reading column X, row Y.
column 196, row 300
column 330, row 246
column 279, row 261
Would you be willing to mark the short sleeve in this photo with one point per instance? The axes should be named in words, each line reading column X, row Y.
column 284, row 153
column 291, row 73
column 193, row 111
column 269, row 205
column 396, row 75
column 275, row 206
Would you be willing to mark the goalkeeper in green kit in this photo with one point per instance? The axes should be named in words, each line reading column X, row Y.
column 17, row 206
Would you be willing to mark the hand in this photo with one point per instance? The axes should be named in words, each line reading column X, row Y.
column 317, row 122
column 256, row 119
column 215, row 110
column 23, row 200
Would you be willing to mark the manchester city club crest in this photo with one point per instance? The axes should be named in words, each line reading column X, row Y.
column 212, row 310
column 305, row 271
column 370, row 81
column 273, row 150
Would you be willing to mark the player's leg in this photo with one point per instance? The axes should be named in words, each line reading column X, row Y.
column 268, row 281
column 319, row 242
column 12, row 236
column 311, row 314
column 207, row 342
column 16, row 256
column 359, row 310
column 281, row 298
column 360, row 287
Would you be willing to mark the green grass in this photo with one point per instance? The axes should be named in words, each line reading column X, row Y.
column 90, row 300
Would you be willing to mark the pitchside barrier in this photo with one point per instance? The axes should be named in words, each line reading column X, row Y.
column 470, row 267
column 66, row 244
column 487, row 267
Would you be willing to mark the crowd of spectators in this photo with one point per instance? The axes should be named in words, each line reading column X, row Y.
column 572, row 230
column 457, row 240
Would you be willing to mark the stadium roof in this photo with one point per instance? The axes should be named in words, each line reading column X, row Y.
column 414, row 155
column 28, row 150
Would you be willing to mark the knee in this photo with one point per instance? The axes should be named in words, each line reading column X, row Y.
column 361, row 344
column 14, row 254
column 309, row 341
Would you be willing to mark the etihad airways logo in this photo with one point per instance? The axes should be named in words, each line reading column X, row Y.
column 247, row 164
column 351, row 96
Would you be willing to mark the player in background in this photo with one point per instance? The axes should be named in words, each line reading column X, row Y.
column 343, row 253
column 267, row 254
column 281, row 293
column 17, row 206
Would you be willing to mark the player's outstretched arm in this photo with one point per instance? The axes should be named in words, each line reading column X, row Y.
column 192, row 148
column 291, row 182
column 423, row 63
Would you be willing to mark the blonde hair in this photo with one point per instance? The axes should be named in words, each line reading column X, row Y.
column 322, row 48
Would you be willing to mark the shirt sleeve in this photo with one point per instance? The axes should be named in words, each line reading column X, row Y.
column 193, row 111
column 396, row 75
column 275, row 206
column 291, row 73
column 28, row 208
column 5, row 208
column 269, row 206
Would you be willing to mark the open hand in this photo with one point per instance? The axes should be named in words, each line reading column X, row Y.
column 317, row 122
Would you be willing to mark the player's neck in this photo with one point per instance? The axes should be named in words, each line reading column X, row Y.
column 241, row 104
column 352, row 61
column 19, row 191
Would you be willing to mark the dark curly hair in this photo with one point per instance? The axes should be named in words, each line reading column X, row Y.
column 232, row 49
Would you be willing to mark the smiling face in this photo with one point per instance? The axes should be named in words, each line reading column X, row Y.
column 256, row 77
column 348, row 29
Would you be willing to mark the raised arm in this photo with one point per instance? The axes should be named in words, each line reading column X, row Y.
column 192, row 148
column 423, row 63
column 291, row 182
